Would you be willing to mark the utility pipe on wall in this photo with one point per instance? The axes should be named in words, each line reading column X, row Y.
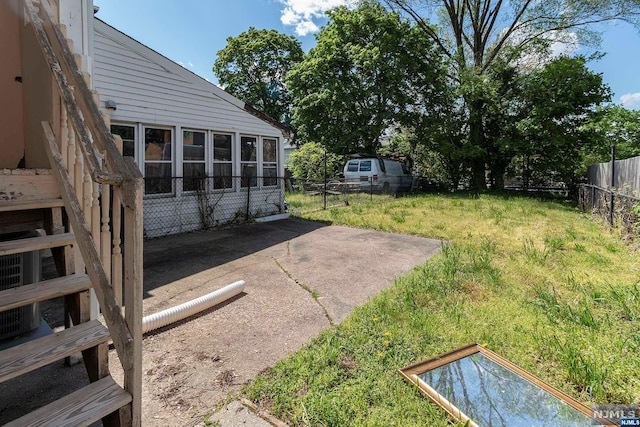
column 182, row 311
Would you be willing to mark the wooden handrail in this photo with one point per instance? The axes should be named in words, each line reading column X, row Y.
column 82, row 111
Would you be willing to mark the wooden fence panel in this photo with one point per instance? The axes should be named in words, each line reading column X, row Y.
column 627, row 175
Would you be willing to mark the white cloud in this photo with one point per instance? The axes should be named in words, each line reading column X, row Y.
column 566, row 43
column 631, row 100
column 559, row 43
column 302, row 13
column 306, row 27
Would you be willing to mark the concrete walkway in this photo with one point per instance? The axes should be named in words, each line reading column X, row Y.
column 191, row 367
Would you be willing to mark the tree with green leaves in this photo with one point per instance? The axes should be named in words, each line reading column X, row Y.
column 367, row 72
column 253, row 67
column 614, row 124
column 308, row 162
column 557, row 102
column 478, row 36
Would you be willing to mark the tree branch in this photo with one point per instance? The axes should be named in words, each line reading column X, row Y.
column 496, row 50
column 491, row 21
column 424, row 26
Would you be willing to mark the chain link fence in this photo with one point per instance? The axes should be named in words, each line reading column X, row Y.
column 180, row 205
column 617, row 209
column 303, row 195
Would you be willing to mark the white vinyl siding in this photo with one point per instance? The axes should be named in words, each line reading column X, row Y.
column 166, row 110
column 149, row 88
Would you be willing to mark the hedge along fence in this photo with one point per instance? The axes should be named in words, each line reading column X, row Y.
column 613, row 193
column 618, row 209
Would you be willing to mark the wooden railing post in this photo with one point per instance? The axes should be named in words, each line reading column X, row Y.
column 133, row 244
column 64, row 135
column 116, row 255
column 71, row 151
column 105, row 232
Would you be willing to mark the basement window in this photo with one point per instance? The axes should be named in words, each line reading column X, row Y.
column 475, row 385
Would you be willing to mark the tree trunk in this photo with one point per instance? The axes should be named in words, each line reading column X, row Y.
column 478, row 175
column 497, row 174
column 477, row 156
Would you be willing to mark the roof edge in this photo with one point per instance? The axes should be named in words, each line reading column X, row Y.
column 286, row 130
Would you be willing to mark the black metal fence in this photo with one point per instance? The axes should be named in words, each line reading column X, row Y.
column 616, row 208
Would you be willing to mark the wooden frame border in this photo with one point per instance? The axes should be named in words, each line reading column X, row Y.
column 411, row 372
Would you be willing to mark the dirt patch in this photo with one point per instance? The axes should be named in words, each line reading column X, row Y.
column 347, row 362
column 226, row 378
column 201, row 357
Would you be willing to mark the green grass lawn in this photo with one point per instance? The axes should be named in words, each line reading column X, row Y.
column 536, row 281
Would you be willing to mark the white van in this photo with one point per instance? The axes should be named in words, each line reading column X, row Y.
column 378, row 174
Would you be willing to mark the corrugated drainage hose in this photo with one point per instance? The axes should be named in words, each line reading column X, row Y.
column 182, row 311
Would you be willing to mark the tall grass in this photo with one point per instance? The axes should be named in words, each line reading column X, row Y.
column 536, row 281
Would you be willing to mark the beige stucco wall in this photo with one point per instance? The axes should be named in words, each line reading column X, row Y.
column 11, row 106
column 41, row 102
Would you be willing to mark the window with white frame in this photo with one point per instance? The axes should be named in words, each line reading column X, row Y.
column 158, row 160
column 222, row 161
column 128, row 135
column 249, row 161
column 269, row 161
column 193, row 160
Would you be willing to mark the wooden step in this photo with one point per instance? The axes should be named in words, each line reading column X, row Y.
column 42, row 291
column 80, row 408
column 28, row 184
column 34, row 354
column 36, row 243
column 24, row 205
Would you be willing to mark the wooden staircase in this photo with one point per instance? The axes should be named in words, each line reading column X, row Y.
column 102, row 398
column 89, row 205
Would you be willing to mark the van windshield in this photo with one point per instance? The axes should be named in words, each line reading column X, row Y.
column 365, row 166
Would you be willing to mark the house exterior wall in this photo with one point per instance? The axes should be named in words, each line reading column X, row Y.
column 41, row 101
column 148, row 87
column 152, row 92
column 77, row 17
column 11, row 107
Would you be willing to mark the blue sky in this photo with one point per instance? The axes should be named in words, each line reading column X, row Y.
column 190, row 32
